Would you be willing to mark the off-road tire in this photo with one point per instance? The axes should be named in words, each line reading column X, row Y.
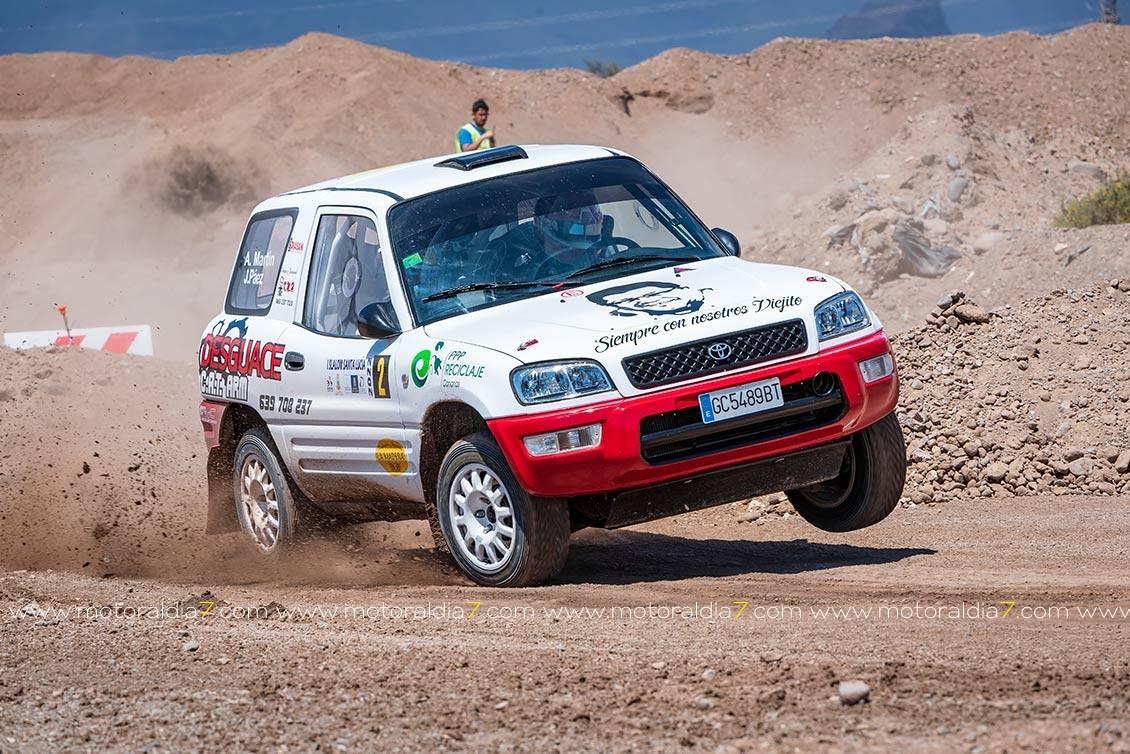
column 541, row 525
column 256, row 444
column 868, row 487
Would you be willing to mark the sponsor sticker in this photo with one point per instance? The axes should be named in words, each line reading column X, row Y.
column 392, row 457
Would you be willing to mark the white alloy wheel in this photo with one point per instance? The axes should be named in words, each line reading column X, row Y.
column 482, row 517
column 259, row 503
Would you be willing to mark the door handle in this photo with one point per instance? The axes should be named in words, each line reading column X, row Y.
column 294, row 361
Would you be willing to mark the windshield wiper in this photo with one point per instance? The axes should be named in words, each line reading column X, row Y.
column 486, row 287
column 619, row 261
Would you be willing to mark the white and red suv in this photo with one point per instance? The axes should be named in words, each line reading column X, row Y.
column 523, row 341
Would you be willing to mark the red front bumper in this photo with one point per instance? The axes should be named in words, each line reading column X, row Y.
column 617, row 463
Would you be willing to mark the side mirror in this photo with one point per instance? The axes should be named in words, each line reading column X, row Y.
column 728, row 240
column 378, row 321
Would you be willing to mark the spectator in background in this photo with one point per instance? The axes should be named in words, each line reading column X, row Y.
column 474, row 134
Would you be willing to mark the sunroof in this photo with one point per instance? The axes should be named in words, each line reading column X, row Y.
column 480, row 157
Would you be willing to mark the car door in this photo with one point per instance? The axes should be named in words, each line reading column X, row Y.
column 342, row 428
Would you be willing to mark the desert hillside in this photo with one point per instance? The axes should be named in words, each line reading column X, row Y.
column 126, row 182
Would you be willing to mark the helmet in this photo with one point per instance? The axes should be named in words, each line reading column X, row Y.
column 570, row 221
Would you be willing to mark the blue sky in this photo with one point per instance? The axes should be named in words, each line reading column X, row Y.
column 503, row 33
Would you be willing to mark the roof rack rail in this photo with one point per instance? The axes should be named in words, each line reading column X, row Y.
column 480, row 157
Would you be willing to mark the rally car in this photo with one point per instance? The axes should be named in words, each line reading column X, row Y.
column 520, row 342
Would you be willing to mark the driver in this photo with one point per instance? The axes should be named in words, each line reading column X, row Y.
column 565, row 236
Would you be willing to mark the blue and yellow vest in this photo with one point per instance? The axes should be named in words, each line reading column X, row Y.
column 475, row 133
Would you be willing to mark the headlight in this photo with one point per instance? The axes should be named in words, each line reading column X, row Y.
column 556, row 381
column 840, row 315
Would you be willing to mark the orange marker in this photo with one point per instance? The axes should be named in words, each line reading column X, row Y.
column 62, row 309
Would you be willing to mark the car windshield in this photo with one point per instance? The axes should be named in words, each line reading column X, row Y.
column 521, row 235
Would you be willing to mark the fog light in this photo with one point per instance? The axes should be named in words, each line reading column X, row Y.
column 563, row 441
column 877, row 368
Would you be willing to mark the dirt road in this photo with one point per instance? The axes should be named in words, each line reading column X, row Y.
column 384, row 652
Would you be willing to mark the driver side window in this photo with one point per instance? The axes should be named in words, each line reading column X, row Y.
column 347, row 275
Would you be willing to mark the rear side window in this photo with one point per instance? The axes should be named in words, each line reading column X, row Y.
column 260, row 257
column 346, row 275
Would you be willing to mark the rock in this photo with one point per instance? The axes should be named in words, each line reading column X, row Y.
column 945, row 301
column 1072, row 453
column 877, row 220
column 771, row 657
column 957, row 188
column 853, row 692
column 703, row 703
column 658, row 665
column 928, row 160
column 903, row 205
column 1062, row 430
column 1107, row 453
column 986, row 242
column 953, row 162
column 971, row 313
column 33, row 610
column 502, row 705
column 837, row 200
column 1122, row 463
column 709, row 674
column 190, row 646
column 1024, row 352
column 1087, row 168
column 935, row 226
column 1124, row 286
column 839, row 233
column 916, row 385
column 996, row 471
column 1081, row 467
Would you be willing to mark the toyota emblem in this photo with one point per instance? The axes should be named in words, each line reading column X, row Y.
column 720, row 351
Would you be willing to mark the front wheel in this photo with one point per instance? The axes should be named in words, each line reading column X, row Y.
column 869, row 484
column 498, row 534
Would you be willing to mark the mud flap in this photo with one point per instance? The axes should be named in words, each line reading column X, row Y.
column 222, row 517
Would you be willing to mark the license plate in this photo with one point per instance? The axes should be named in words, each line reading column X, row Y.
column 741, row 400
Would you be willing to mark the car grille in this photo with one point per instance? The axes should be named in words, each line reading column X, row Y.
column 694, row 359
column 678, row 435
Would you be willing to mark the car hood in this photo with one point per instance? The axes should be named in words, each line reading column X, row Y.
column 612, row 319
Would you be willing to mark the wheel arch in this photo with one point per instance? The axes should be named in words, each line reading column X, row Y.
column 237, row 419
column 444, row 424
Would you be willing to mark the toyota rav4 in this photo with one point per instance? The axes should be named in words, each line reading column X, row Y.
column 520, row 342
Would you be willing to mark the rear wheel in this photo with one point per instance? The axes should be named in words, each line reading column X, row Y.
column 868, row 487
column 498, row 534
column 264, row 498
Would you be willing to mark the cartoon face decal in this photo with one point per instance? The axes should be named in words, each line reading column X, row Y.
column 652, row 297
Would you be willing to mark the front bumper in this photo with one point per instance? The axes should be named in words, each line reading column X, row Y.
column 618, row 463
